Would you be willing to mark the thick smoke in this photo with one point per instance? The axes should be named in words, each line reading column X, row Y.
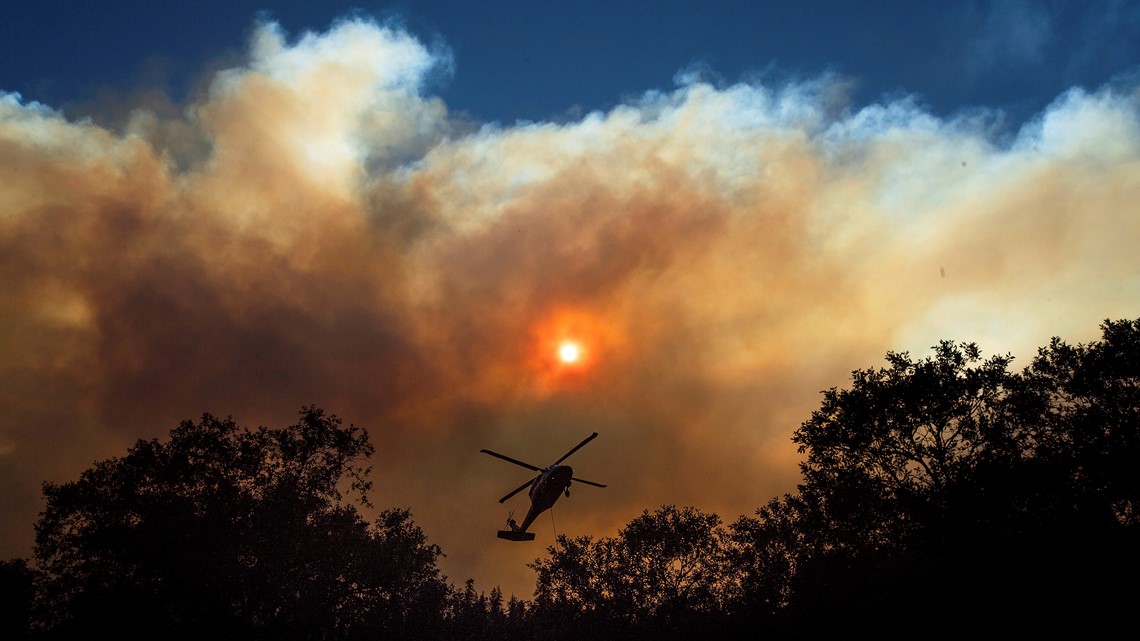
column 317, row 230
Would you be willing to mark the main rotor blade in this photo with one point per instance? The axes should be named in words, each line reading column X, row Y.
column 516, row 490
column 516, row 462
column 574, row 478
column 576, row 448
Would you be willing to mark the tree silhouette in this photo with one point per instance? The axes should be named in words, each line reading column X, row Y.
column 949, row 489
column 946, row 494
column 232, row 533
column 662, row 573
column 16, row 591
column 1083, row 404
column 882, row 455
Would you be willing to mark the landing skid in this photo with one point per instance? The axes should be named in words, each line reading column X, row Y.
column 513, row 535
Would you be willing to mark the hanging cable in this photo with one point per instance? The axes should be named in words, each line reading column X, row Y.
column 552, row 526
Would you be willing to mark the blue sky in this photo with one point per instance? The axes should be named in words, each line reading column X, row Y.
column 540, row 60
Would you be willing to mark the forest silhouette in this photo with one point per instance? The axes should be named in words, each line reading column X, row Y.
column 942, row 495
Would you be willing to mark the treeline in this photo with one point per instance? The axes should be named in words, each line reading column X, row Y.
column 941, row 496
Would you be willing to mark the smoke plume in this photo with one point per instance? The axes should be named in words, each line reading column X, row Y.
column 317, row 229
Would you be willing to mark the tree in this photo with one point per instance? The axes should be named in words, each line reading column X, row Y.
column 766, row 552
column 950, row 489
column 232, row 533
column 1080, row 411
column 16, row 590
column 664, row 572
column 1083, row 404
column 882, row 455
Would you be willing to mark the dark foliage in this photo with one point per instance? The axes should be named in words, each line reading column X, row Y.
column 226, row 533
column 664, row 574
column 941, row 496
column 16, row 591
column 951, row 491
column 946, row 495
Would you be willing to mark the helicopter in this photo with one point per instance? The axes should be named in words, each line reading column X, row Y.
column 551, row 482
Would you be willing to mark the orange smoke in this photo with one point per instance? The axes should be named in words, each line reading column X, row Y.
column 316, row 230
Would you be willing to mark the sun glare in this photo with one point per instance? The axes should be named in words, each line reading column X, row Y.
column 569, row 352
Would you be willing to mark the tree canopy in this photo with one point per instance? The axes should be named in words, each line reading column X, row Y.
column 953, row 483
column 946, row 494
column 233, row 533
column 662, row 573
column 944, row 491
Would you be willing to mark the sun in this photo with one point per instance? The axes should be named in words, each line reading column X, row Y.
column 569, row 352
column 570, row 349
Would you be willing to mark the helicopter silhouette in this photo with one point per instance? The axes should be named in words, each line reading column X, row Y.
column 551, row 483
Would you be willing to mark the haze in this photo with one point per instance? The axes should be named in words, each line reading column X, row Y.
column 316, row 227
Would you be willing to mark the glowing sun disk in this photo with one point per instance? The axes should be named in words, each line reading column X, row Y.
column 569, row 352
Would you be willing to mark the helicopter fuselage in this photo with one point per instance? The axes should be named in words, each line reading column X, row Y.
column 545, row 491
